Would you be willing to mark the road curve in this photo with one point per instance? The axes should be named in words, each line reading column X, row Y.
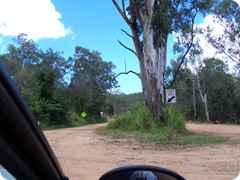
column 84, row 154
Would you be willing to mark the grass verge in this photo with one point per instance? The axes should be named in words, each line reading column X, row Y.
column 189, row 139
column 143, row 127
column 74, row 121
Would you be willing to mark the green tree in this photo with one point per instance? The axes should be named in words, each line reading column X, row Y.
column 79, row 96
column 91, row 69
column 20, row 59
column 219, row 86
column 150, row 23
column 108, row 108
column 236, row 101
column 215, row 87
column 46, row 82
column 124, row 103
column 210, row 78
column 50, row 72
column 38, row 75
column 59, row 65
column 92, row 77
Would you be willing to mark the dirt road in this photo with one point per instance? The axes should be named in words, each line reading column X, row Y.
column 83, row 154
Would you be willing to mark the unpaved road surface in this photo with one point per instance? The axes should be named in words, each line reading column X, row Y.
column 84, row 154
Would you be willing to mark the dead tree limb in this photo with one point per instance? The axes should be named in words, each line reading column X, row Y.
column 122, row 12
column 127, row 47
column 127, row 33
column 127, row 72
column 185, row 54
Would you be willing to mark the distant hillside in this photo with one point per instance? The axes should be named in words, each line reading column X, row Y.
column 124, row 103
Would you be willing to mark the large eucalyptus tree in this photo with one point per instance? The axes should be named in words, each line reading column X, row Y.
column 150, row 22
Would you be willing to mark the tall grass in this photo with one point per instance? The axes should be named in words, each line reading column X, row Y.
column 142, row 121
column 144, row 127
column 174, row 120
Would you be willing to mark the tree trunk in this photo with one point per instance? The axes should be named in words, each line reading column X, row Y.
column 194, row 101
column 203, row 96
column 152, row 78
column 206, row 108
column 152, row 67
column 152, row 59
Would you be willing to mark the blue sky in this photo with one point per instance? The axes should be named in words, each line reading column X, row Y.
column 61, row 25
column 96, row 25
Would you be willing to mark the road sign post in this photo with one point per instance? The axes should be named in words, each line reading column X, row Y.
column 171, row 99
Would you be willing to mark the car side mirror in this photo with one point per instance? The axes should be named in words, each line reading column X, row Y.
column 141, row 172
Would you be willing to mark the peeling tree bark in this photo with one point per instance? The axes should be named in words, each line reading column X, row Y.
column 152, row 64
column 152, row 60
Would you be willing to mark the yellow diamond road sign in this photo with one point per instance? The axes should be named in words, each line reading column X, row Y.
column 84, row 114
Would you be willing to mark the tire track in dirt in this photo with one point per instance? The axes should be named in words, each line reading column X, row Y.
column 222, row 130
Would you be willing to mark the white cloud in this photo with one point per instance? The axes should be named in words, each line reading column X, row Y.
column 208, row 50
column 37, row 18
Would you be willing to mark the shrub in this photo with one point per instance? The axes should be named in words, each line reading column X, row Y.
column 140, row 120
column 94, row 118
column 175, row 120
column 75, row 119
column 143, row 121
column 123, row 122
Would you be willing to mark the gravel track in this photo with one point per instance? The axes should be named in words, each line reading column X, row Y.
column 84, row 154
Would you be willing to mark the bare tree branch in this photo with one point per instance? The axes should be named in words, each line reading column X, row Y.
column 136, row 40
column 123, row 8
column 128, row 34
column 122, row 12
column 127, row 73
column 179, row 66
column 232, row 57
column 185, row 54
column 127, row 47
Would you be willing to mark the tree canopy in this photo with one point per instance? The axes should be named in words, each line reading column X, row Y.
column 41, row 77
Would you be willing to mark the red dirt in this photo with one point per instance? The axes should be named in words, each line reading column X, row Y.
column 84, row 154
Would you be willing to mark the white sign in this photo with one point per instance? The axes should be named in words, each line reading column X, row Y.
column 237, row 178
column 170, row 95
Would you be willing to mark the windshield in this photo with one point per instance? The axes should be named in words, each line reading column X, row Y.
column 103, row 84
column 5, row 175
